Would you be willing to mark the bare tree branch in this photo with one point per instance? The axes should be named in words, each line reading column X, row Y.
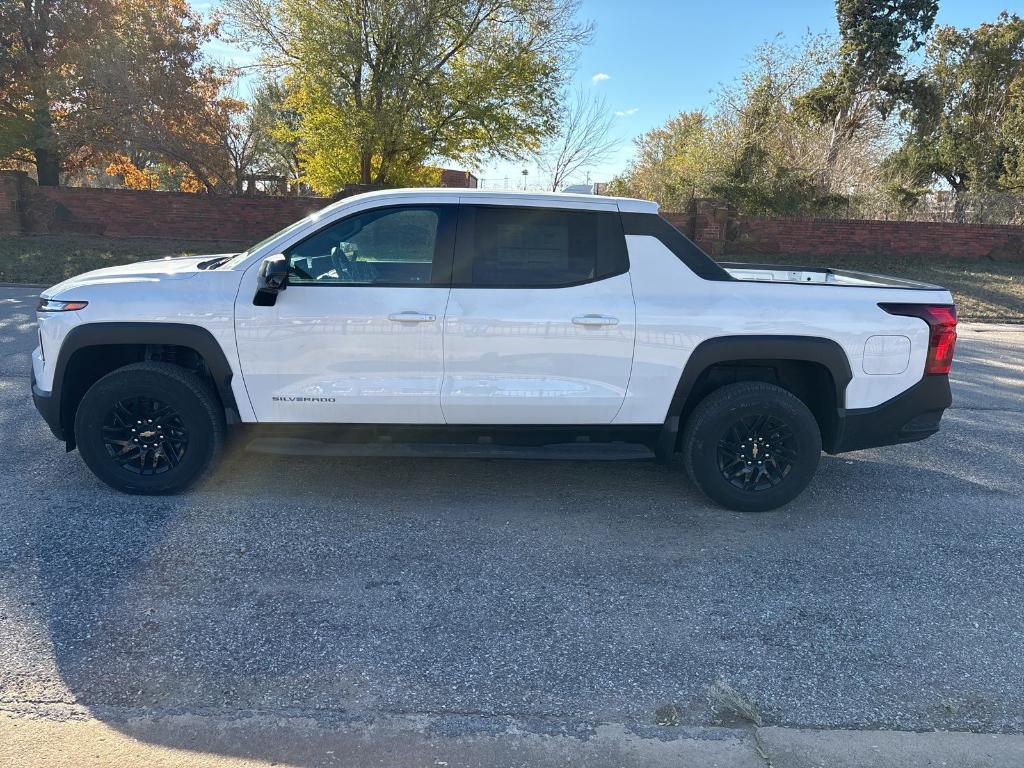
column 584, row 139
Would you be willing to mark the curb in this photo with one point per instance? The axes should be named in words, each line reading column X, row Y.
column 59, row 735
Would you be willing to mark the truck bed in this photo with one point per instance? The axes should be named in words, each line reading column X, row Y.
column 768, row 273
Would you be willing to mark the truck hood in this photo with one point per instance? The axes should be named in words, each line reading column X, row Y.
column 158, row 270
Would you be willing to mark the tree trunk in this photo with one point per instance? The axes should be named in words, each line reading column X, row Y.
column 382, row 173
column 960, row 185
column 48, row 160
column 834, row 143
column 959, row 206
column 365, row 168
column 47, row 167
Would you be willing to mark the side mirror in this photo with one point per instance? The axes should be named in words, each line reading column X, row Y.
column 273, row 279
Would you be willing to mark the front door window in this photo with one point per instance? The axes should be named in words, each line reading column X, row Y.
column 393, row 246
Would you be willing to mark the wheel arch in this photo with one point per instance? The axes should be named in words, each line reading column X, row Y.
column 815, row 369
column 118, row 344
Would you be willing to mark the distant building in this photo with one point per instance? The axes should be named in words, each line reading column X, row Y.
column 461, row 179
column 586, row 189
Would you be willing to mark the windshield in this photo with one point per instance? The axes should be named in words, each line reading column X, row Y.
column 234, row 261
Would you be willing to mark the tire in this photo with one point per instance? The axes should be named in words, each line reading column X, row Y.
column 728, row 452
column 186, row 436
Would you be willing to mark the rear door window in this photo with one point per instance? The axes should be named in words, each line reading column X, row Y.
column 509, row 247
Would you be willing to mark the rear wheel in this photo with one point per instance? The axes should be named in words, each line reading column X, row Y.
column 150, row 428
column 751, row 446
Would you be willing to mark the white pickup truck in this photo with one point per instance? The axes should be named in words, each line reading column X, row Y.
column 467, row 323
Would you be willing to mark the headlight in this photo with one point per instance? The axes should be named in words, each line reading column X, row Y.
column 51, row 305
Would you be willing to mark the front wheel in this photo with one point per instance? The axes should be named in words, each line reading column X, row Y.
column 150, row 428
column 751, row 446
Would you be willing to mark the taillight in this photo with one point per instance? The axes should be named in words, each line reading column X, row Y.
column 941, row 319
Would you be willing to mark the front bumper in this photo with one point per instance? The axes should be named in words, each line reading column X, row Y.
column 911, row 415
column 48, row 407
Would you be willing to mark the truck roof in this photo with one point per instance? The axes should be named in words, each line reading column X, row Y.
column 506, row 197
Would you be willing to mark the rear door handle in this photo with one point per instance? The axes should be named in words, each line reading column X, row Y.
column 411, row 317
column 595, row 320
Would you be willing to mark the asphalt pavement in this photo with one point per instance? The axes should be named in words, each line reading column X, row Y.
column 563, row 596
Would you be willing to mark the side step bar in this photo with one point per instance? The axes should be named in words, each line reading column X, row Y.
column 297, row 446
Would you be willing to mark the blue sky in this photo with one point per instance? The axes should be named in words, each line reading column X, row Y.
column 652, row 59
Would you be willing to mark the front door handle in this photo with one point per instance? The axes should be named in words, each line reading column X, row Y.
column 595, row 320
column 411, row 317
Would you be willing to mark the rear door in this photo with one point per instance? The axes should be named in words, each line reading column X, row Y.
column 540, row 321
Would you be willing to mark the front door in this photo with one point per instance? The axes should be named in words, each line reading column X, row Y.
column 357, row 335
column 541, row 319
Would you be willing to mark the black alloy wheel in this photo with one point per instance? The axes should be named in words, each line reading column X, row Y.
column 150, row 428
column 751, row 446
column 757, row 453
column 145, row 436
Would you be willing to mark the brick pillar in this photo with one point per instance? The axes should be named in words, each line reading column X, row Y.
column 711, row 218
column 11, row 185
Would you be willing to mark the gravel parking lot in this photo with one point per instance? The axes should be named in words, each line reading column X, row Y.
column 563, row 594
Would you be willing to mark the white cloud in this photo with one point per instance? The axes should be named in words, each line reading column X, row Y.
column 599, row 77
column 627, row 112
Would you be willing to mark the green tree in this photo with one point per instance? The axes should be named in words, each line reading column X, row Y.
column 876, row 36
column 758, row 147
column 266, row 135
column 253, row 140
column 155, row 95
column 41, row 74
column 772, row 155
column 674, row 164
column 967, row 116
column 383, row 86
column 80, row 80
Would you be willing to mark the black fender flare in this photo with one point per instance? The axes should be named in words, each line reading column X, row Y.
column 113, row 334
column 752, row 349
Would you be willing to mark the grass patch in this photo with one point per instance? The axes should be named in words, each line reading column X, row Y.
column 731, row 706
column 983, row 290
column 52, row 258
column 668, row 715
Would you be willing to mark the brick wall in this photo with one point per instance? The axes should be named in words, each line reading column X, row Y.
column 27, row 208
column 171, row 215
column 10, row 203
column 723, row 233
column 818, row 239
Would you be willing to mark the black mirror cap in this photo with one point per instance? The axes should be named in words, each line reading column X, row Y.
column 273, row 279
